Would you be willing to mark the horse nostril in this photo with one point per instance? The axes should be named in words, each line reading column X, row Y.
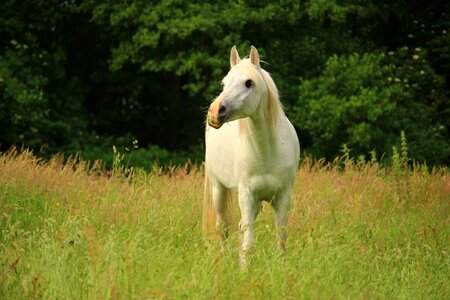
column 222, row 109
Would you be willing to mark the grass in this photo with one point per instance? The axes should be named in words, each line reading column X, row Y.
column 73, row 231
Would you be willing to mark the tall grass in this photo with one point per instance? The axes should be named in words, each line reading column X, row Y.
column 73, row 231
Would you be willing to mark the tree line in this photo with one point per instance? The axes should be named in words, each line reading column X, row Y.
column 83, row 75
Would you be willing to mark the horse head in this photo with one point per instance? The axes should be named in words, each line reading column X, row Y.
column 243, row 89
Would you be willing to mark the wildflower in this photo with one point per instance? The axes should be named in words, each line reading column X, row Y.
column 391, row 53
column 410, row 36
column 422, row 72
column 415, row 57
column 417, row 49
column 389, row 78
column 397, row 79
column 444, row 31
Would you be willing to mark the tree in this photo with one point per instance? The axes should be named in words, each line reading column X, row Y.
column 76, row 74
column 365, row 101
column 39, row 104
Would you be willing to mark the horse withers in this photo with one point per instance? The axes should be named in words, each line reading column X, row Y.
column 251, row 148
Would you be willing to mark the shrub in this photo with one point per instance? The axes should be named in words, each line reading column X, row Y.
column 364, row 101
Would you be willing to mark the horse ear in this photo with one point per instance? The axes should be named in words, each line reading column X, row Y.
column 254, row 56
column 234, row 57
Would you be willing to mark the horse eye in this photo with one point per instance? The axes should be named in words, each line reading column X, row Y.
column 248, row 83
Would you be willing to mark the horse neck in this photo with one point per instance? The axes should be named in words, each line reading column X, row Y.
column 259, row 132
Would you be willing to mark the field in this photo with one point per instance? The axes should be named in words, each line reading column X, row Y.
column 356, row 231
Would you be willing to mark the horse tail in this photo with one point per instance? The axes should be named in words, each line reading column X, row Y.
column 209, row 212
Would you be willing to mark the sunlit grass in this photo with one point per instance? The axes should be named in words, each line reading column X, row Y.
column 73, row 231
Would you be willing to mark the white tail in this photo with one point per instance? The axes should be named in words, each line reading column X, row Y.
column 209, row 212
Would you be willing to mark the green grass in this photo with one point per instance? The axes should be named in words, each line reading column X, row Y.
column 70, row 231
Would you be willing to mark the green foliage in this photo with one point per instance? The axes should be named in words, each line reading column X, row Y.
column 404, row 150
column 365, row 101
column 347, row 103
column 337, row 12
column 123, row 156
column 78, row 72
column 40, row 105
column 422, row 109
column 400, row 158
column 23, row 105
column 192, row 39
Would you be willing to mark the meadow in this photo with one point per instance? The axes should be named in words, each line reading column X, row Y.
column 73, row 230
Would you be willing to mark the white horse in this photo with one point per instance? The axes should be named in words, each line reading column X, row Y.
column 256, row 153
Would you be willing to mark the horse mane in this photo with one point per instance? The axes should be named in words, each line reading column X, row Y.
column 263, row 80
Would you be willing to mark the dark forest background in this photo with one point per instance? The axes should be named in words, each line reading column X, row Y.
column 82, row 76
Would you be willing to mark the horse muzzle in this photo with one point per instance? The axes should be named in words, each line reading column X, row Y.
column 217, row 114
column 214, row 123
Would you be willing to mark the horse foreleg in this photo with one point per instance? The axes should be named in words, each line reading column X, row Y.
column 219, row 198
column 249, row 209
column 282, row 206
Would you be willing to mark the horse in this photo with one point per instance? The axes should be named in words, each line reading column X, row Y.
column 252, row 149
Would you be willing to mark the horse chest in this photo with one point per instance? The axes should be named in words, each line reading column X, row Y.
column 264, row 187
column 264, row 181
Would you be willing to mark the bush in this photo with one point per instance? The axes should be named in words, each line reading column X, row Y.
column 364, row 101
column 132, row 156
